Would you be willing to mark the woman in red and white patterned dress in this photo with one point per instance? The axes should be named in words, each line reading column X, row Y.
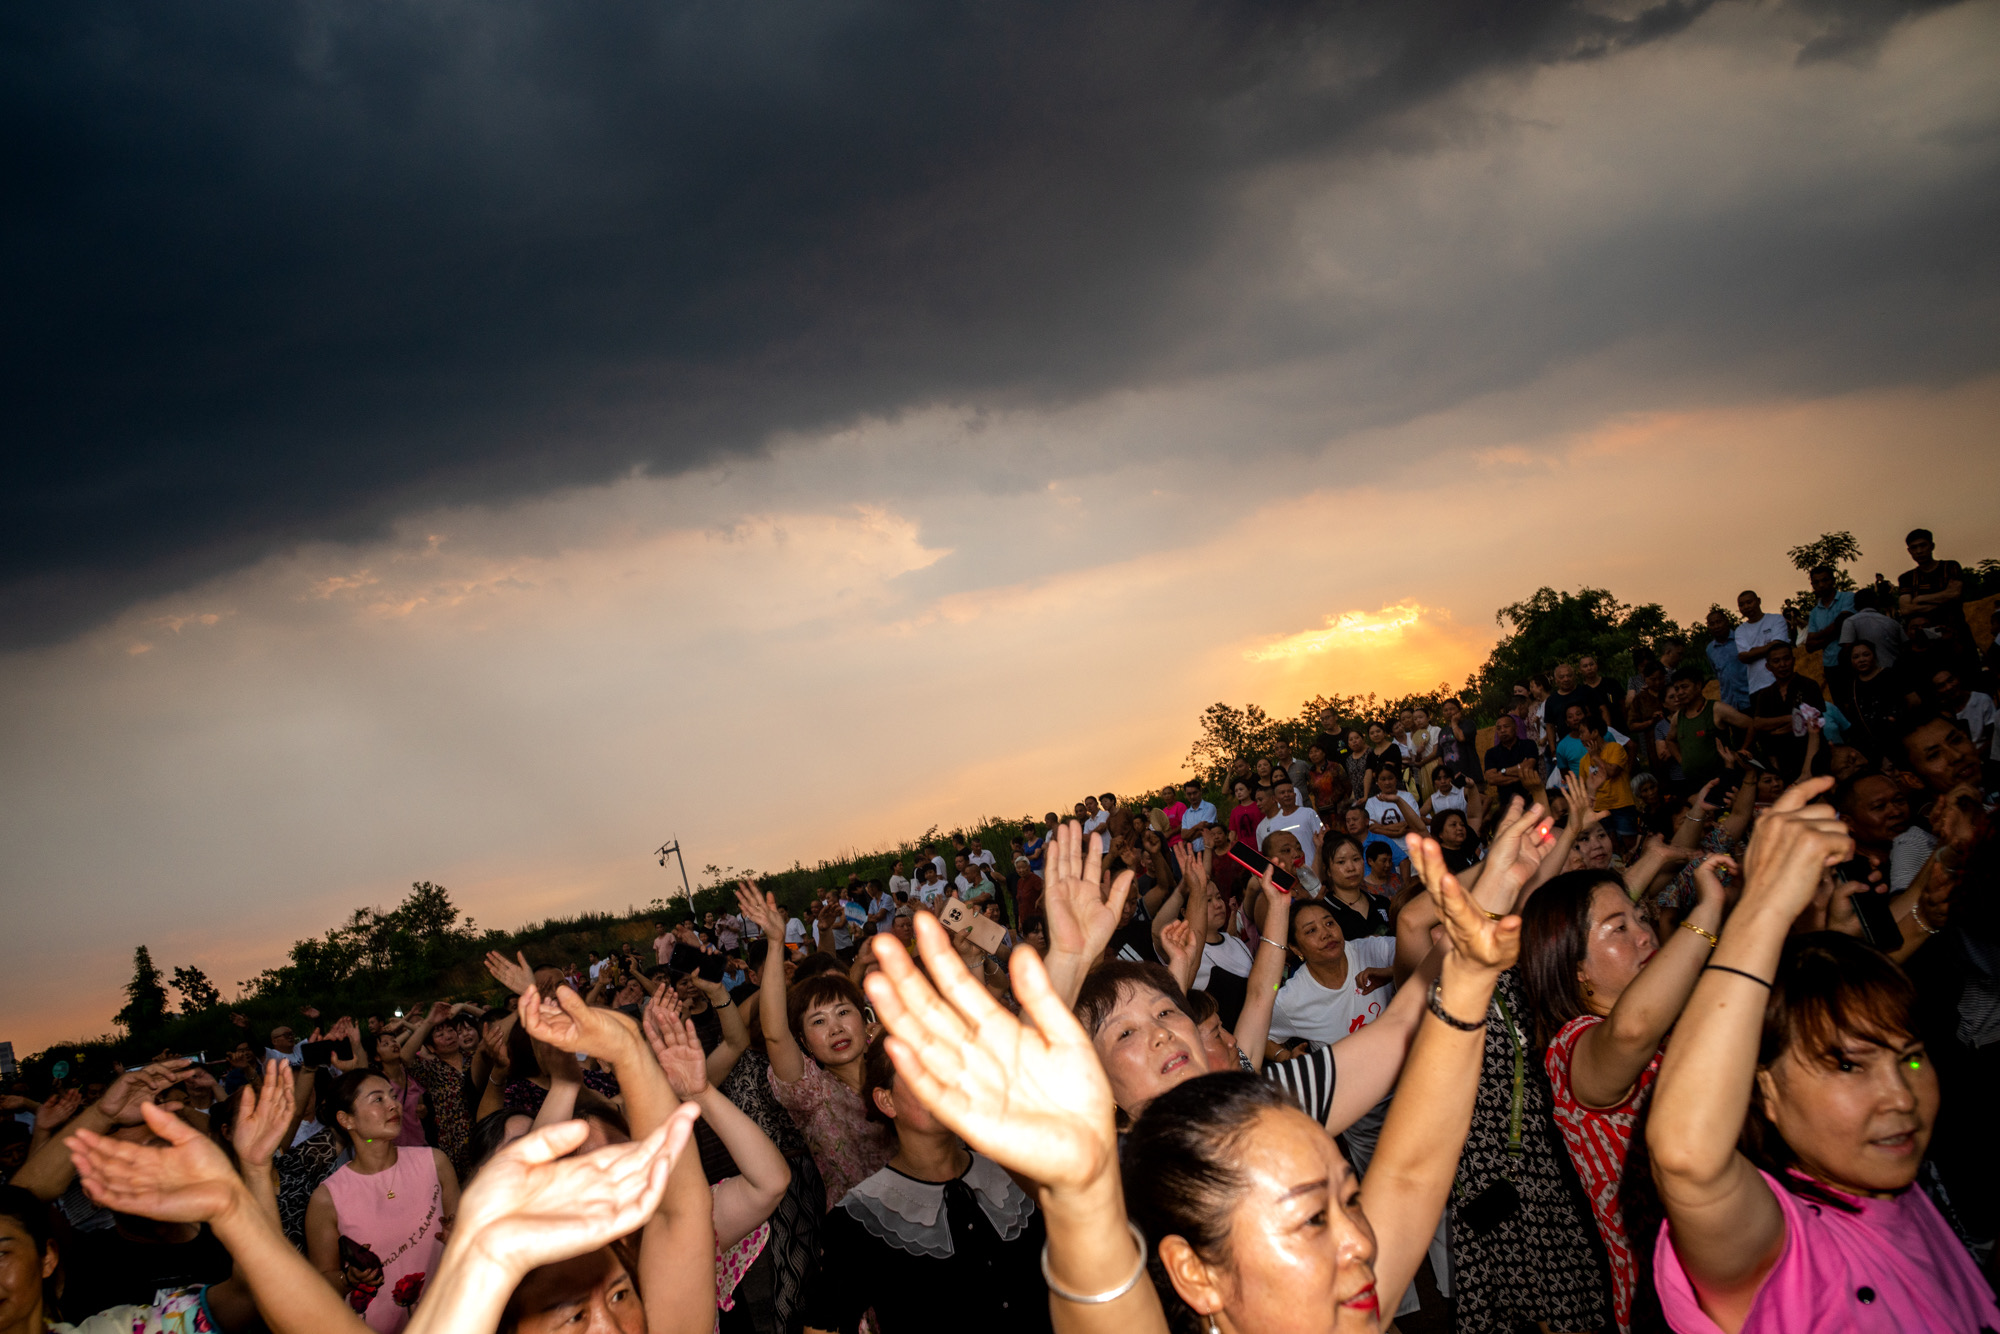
column 1605, row 991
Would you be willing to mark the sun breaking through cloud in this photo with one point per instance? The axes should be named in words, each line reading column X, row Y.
column 1348, row 629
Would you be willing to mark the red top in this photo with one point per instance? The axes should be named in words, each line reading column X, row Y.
column 1598, row 1140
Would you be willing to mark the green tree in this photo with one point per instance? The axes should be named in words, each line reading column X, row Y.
column 145, row 1011
column 198, row 994
column 1835, row 549
column 1549, row 627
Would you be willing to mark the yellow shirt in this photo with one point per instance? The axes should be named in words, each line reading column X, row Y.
column 1616, row 792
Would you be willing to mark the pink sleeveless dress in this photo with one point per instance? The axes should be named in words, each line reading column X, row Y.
column 397, row 1216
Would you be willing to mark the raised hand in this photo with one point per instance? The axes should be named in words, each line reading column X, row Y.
column 761, row 908
column 1517, row 852
column 1178, row 942
column 439, row 1012
column 1476, row 936
column 1582, row 800
column 537, row 1202
column 679, row 1053
column 567, row 1024
column 136, row 1088
column 513, row 974
column 186, row 1180
column 1080, row 915
column 57, row 1110
column 265, row 1115
column 1708, row 886
column 1791, row 849
column 1033, row 1099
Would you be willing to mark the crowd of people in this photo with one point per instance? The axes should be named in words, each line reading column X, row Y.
column 1667, row 1006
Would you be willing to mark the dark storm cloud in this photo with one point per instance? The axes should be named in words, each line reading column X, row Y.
column 279, row 270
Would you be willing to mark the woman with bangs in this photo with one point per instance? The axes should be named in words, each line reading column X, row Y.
column 1791, row 1114
column 816, row 1037
column 1240, row 1209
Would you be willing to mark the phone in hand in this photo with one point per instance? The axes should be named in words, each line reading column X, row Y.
column 1872, row 909
column 961, row 917
column 1257, row 863
column 319, row 1053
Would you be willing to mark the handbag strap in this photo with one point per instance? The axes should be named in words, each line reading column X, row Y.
column 1514, row 1146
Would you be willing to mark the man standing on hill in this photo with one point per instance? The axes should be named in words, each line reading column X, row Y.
column 1200, row 810
column 1754, row 638
column 1730, row 673
column 1831, row 607
column 1931, row 598
column 1302, row 822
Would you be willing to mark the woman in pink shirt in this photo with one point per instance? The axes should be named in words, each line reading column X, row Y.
column 1804, row 1050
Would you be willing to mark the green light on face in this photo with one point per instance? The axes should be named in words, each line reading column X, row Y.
column 1915, row 1063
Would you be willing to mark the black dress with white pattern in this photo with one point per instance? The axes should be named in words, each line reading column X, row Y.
column 1546, row 1262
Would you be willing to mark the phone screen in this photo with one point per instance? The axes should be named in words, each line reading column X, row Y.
column 1258, row 864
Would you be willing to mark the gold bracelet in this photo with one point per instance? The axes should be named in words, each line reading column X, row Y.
column 1490, row 916
column 1709, row 936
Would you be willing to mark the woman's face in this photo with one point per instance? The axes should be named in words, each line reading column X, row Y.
column 1621, row 941
column 1354, row 741
column 1242, row 794
column 1452, row 833
column 1858, row 1117
column 1218, row 913
column 835, row 1033
column 591, row 1294
column 1862, row 658
column 1878, row 810
column 1218, row 1044
column 1770, row 787
column 1315, row 756
column 1595, row 846
column 1301, row 1257
column 1037, row 938
column 1316, row 937
column 388, row 1046
column 1381, row 863
column 1264, row 771
column 21, row 1273
column 376, row 1115
column 1376, row 736
column 445, row 1038
column 1147, row 1045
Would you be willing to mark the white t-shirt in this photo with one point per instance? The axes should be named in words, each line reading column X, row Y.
column 1977, row 715
column 795, row 932
column 1386, row 810
column 1453, row 800
column 929, row 892
column 898, row 884
column 983, row 857
column 1769, row 628
column 1880, row 632
column 1304, row 824
column 1305, row 1009
column 1231, row 956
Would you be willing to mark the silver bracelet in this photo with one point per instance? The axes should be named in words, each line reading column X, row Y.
column 1099, row 1298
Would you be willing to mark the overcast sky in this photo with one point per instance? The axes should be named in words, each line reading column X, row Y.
column 474, row 442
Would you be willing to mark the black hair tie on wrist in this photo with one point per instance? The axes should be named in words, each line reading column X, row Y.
column 1725, row 968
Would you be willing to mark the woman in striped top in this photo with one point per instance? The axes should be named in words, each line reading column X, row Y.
column 1605, row 990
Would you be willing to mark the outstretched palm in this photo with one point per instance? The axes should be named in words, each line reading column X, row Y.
column 761, row 908
column 264, row 1116
column 532, row 1205
column 1080, row 915
column 513, row 974
column 1035, row 1100
column 186, row 1180
column 1475, row 934
column 1516, row 854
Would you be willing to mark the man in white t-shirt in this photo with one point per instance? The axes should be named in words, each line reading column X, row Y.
column 795, row 933
column 1345, row 984
column 928, row 888
column 1868, row 625
column 1760, row 630
column 1302, row 822
column 975, row 853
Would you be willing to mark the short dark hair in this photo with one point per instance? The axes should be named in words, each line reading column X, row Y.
column 1918, row 535
column 824, row 988
column 1821, row 568
column 1098, row 996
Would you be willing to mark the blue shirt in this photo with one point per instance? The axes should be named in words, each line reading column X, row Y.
column 1568, row 752
column 1198, row 815
column 1730, row 671
column 1821, row 617
column 1033, row 852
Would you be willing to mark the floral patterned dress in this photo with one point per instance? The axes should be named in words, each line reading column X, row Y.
column 847, row 1146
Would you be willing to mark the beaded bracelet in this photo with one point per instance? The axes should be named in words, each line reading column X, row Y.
column 1437, row 1008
